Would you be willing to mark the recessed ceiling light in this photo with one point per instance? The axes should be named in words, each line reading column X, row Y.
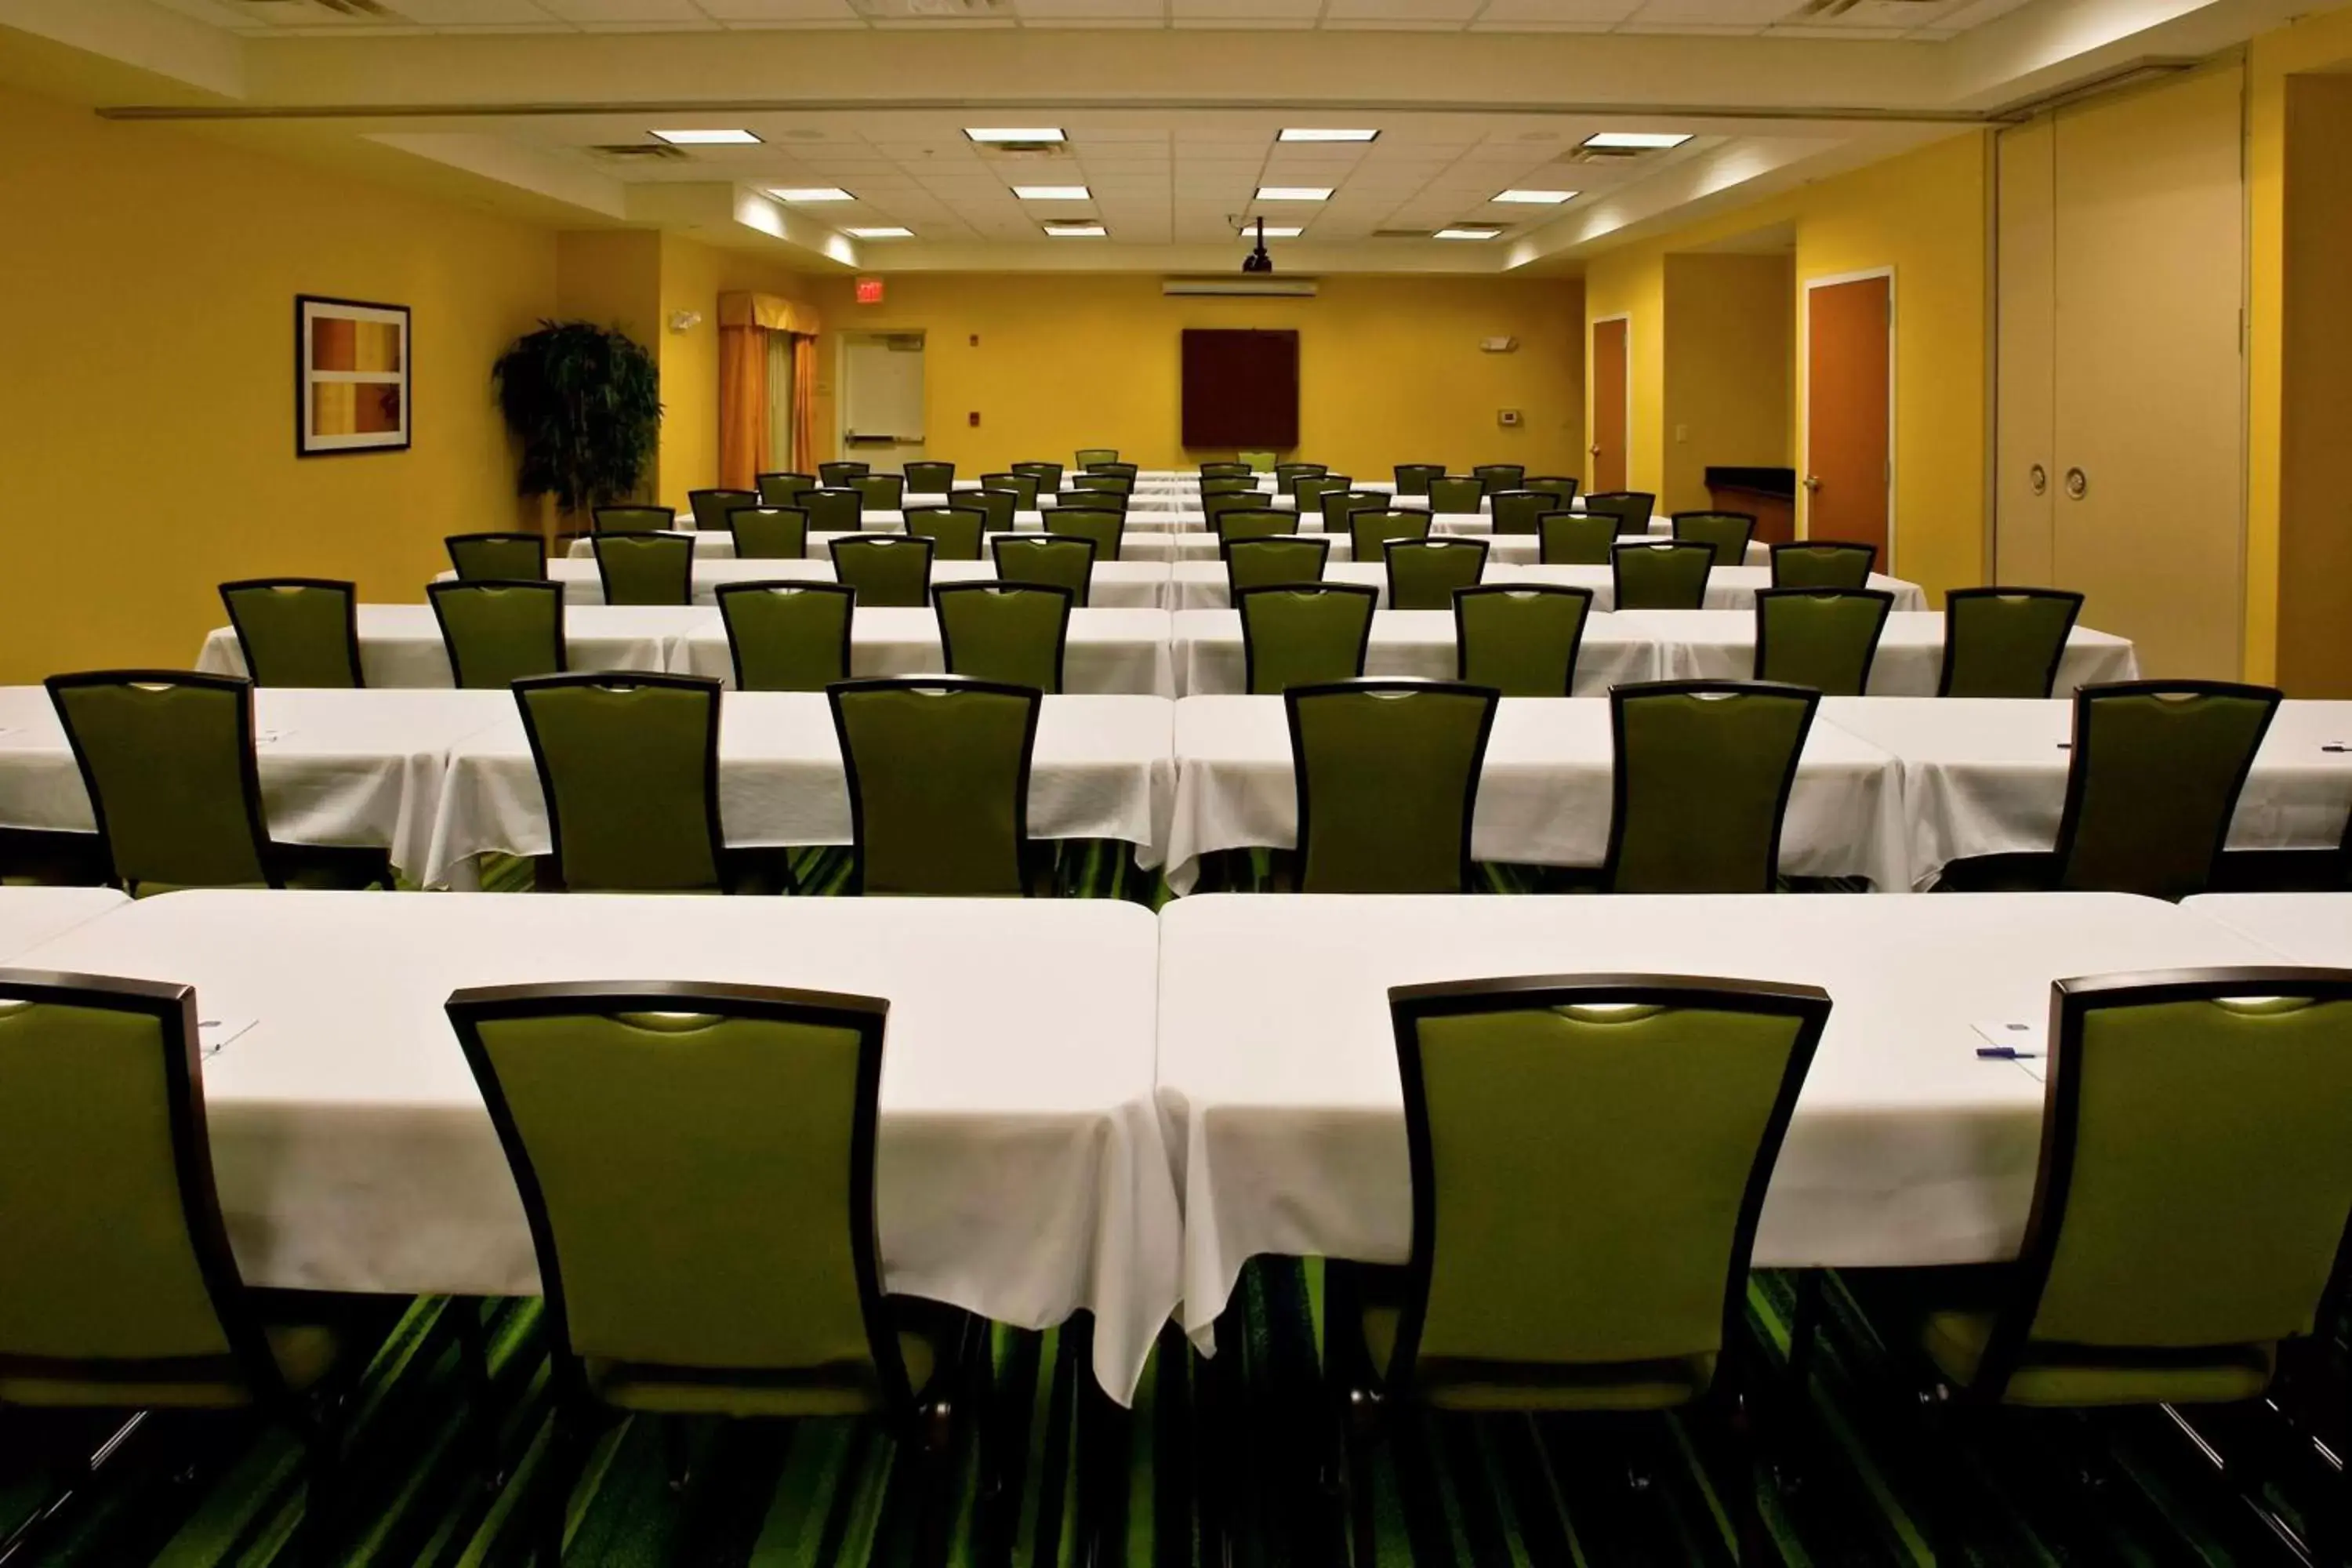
column 891, row 231
column 708, row 138
column 1015, row 133
column 1536, row 199
column 1465, row 234
column 812, row 194
column 1077, row 230
column 1271, row 231
column 1310, row 134
column 1294, row 193
column 1636, row 139
column 1050, row 193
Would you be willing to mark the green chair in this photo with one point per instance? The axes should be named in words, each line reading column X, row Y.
column 2005, row 642
column 888, row 571
column 1498, row 477
column 1021, row 484
column 1251, row 523
column 955, row 532
column 629, row 767
column 634, row 1116
column 1387, row 777
column 996, row 508
column 1243, row 483
column 1310, row 491
column 1337, row 506
column 1371, row 531
column 1631, row 510
column 1660, row 574
column 785, row 490
column 1701, row 784
column 930, row 478
column 1456, row 496
column 1521, row 511
column 938, row 784
column 1087, row 501
column 631, row 519
column 297, row 631
column 833, row 511
column 1729, row 532
column 1426, row 574
column 1562, row 488
column 879, row 492
column 1048, row 560
column 787, row 636
column 1128, row 472
column 836, row 476
column 1824, row 638
column 1090, row 455
column 1215, row 506
column 1014, row 632
column 770, row 532
column 712, row 508
column 1288, row 475
column 498, row 557
column 1575, row 538
column 1107, row 529
column 1047, row 475
column 1660, row 1104
column 167, row 759
column 123, row 1294
column 1117, row 485
column 2152, row 786
column 1521, row 639
column 1413, row 478
column 1822, row 563
column 1273, row 562
column 1226, row 471
column 645, row 568
column 498, row 633
column 1307, row 633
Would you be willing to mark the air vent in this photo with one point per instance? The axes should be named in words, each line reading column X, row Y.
column 930, row 10
column 640, row 153
column 1814, row 10
column 370, row 9
column 1257, row 286
column 1025, row 152
column 1400, row 234
column 1610, row 154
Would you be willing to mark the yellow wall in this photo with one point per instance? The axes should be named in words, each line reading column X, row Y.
column 147, row 288
column 1730, row 367
column 1389, row 369
column 693, row 276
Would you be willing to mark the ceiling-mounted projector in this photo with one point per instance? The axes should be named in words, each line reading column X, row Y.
column 1258, row 261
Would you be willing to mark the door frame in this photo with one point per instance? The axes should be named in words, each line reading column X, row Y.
column 842, row 342
column 1805, row 396
column 1590, row 433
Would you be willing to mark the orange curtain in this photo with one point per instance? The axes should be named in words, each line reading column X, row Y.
column 742, row 406
column 804, row 403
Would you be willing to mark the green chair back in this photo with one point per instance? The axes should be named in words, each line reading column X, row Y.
column 1021, row 484
column 629, row 766
column 1562, row 488
column 1214, row 507
column 1047, row 475
column 833, row 510
column 632, row 519
column 2154, row 782
column 1662, row 1104
column 1660, row 574
column 788, row 635
column 785, row 490
column 996, row 508
column 498, row 557
column 1499, row 476
column 1087, row 501
column 1303, row 634
column 1824, row 638
column 1012, row 633
column 297, row 631
column 770, row 532
column 1457, row 496
column 1729, row 532
column 498, row 633
column 633, row 1117
column 836, row 476
column 1821, row 563
column 1243, row 522
column 1288, row 475
column 1337, row 506
column 1271, row 562
column 939, row 782
column 1310, row 490
column 1127, row 471
column 1371, row 530
column 1225, row 471
column 879, row 492
column 1106, row 529
column 1518, row 511
column 888, row 571
column 1388, row 780
column 1631, row 509
column 713, row 507
column 166, row 757
column 1426, row 574
column 1575, row 538
column 955, row 532
column 1090, row 455
column 930, row 478
column 645, row 568
column 2005, row 642
column 1702, row 774
column 1413, row 478
column 1243, row 483
column 1116, row 486
column 1063, row 561
column 1520, row 638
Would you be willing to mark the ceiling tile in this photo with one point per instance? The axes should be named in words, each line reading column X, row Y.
column 674, row 13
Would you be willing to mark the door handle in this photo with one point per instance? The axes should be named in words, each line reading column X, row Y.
column 2040, row 478
column 1812, row 481
column 2077, row 482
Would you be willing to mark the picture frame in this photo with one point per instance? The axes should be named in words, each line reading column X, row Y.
column 352, row 368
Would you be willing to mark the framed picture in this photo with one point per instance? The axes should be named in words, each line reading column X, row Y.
column 351, row 376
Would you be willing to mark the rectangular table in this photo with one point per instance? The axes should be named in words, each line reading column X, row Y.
column 1115, row 651
column 1117, row 584
column 1103, row 767
column 2301, row 928
column 1544, row 796
column 1200, row 585
column 1136, row 548
column 360, row 768
column 31, row 916
column 1988, row 777
column 1278, row 1079
column 400, row 645
column 1209, row 656
column 1020, row 1172
column 1717, row 645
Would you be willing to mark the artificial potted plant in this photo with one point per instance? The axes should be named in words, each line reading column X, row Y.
column 584, row 402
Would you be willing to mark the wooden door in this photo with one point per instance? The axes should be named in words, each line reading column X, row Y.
column 1849, row 389
column 1610, row 404
column 2025, row 479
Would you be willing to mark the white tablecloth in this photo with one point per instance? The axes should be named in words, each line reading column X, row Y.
column 1209, row 659
column 1714, row 645
column 1513, row 550
column 400, row 645
column 31, row 916
column 1988, row 777
column 337, row 767
column 2301, row 928
column 1200, row 585
column 1278, row 1080
column 1020, row 1173
column 1117, row 584
column 1103, row 768
column 1117, row 651
column 1543, row 796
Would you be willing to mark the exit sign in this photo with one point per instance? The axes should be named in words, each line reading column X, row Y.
column 869, row 291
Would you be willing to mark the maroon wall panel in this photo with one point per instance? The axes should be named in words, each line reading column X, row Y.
column 1241, row 389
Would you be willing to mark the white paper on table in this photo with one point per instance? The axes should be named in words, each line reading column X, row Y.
column 2024, row 1038
column 212, row 1034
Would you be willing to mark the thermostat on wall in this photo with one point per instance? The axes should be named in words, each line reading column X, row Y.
column 1498, row 345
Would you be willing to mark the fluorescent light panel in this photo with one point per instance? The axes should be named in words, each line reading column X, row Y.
column 708, row 138
column 1294, row 193
column 812, row 194
column 1636, row 139
column 1050, row 193
column 1310, row 134
column 1536, row 199
column 1273, row 231
column 1014, row 133
column 891, row 231
column 1465, row 234
column 1077, row 230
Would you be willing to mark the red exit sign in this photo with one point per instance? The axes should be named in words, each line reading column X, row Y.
column 869, row 291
